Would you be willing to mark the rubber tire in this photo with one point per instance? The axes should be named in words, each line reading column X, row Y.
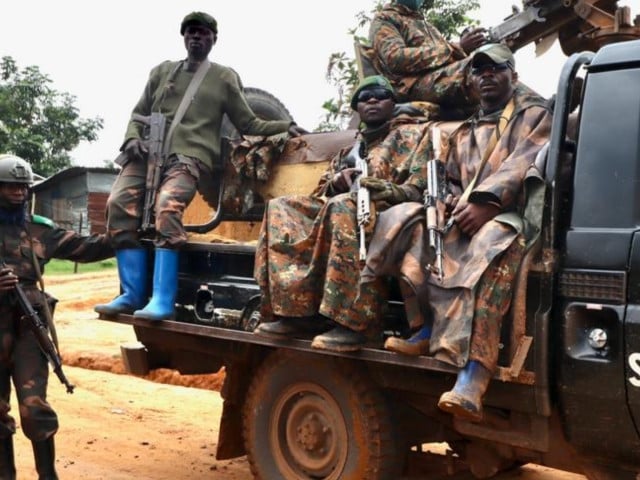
column 263, row 104
column 292, row 386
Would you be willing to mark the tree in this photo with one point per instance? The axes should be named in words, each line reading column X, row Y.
column 449, row 16
column 38, row 123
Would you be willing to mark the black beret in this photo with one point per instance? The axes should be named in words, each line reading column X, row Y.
column 199, row 18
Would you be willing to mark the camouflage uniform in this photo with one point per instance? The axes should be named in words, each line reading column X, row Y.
column 420, row 63
column 20, row 355
column 195, row 149
column 307, row 255
column 478, row 271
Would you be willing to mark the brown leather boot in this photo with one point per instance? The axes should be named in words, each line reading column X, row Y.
column 465, row 400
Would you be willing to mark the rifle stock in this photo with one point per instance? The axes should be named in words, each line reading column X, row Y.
column 39, row 329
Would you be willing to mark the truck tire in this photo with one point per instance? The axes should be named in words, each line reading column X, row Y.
column 317, row 417
column 263, row 104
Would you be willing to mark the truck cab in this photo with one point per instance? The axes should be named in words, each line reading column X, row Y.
column 567, row 391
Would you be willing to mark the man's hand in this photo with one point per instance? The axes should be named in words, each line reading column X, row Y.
column 135, row 149
column 384, row 190
column 472, row 39
column 8, row 279
column 343, row 180
column 296, row 131
column 470, row 217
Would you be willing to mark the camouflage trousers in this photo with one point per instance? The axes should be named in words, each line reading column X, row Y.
column 22, row 360
column 176, row 191
column 446, row 86
column 307, row 262
column 493, row 299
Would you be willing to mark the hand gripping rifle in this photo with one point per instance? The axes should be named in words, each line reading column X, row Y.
column 157, row 124
column 434, row 196
column 363, row 199
column 39, row 329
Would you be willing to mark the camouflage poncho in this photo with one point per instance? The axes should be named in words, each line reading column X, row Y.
column 307, row 255
column 399, row 247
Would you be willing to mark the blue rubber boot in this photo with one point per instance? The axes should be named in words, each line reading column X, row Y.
column 165, row 287
column 465, row 400
column 132, row 270
column 417, row 344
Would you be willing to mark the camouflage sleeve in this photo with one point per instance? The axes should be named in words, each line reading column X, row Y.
column 68, row 245
column 400, row 57
column 520, row 146
column 324, row 184
column 416, row 163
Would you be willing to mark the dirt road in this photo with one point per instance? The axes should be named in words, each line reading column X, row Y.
column 120, row 427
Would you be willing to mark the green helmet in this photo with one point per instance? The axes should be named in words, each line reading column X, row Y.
column 14, row 169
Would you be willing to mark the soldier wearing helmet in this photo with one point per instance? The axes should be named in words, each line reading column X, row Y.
column 27, row 243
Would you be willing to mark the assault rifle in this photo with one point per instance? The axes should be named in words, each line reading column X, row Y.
column 40, row 331
column 363, row 199
column 157, row 124
column 434, row 197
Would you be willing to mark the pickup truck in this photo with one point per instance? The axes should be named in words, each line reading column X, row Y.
column 567, row 391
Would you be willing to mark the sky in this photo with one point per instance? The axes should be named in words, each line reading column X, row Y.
column 102, row 52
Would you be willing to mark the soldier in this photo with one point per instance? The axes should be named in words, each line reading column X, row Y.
column 28, row 243
column 489, row 156
column 193, row 149
column 421, row 64
column 307, row 256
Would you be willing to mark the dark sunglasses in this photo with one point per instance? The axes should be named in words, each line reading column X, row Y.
column 490, row 67
column 377, row 93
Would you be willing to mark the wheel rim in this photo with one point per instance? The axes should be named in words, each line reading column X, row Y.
column 308, row 433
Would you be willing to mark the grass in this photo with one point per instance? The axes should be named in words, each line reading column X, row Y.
column 63, row 267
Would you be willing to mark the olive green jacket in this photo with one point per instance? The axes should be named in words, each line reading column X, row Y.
column 198, row 134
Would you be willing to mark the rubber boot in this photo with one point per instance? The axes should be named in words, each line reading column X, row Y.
column 165, row 287
column 7, row 462
column 465, row 400
column 45, row 456
column 417, row 344
column 340, row 339
column 132, row 269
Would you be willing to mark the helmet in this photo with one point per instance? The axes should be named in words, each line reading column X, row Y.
column 14, row 169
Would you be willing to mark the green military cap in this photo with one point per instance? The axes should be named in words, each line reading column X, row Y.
column 495, row 52
column 374, row 81
column 199, row 18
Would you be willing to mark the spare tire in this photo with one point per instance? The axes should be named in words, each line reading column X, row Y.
column 263, row 104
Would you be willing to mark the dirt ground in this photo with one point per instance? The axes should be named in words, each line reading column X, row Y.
column 117, row 426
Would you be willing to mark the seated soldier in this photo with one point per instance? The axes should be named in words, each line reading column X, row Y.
column 307, row 258
column 420, row 63
column 489, row 156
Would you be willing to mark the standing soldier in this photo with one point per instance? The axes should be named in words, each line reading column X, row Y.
column 193, row 95
column 421, row 64
column 28, row 243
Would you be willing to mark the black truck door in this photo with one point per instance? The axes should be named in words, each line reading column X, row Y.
column 598, row 313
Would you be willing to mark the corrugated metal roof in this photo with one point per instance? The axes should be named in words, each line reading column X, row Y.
column 70, row 173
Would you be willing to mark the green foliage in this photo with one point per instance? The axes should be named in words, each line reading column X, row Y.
column 449, row 16
column 38, row 123
column 63, row 267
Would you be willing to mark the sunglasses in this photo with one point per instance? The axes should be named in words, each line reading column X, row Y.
column 377, row 93
column 490, row 67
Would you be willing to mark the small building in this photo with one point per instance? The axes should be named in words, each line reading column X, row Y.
column 76, row 198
